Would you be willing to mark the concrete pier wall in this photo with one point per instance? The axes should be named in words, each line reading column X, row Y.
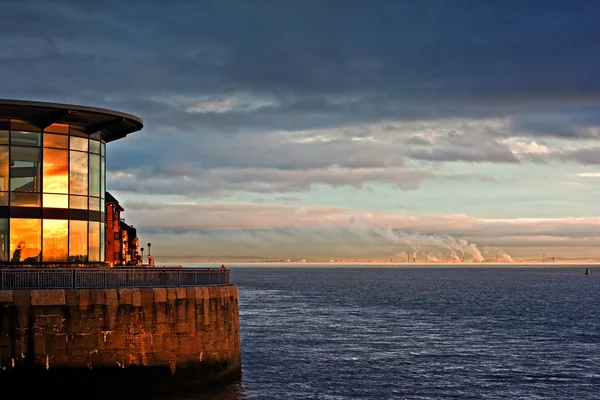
column 120, row 336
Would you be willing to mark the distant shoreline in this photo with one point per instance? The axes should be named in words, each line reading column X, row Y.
column 388, row 264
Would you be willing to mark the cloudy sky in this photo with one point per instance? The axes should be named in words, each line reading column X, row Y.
column 333, row 129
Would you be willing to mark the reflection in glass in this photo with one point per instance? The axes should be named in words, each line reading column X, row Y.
column 58, row 141
column 78, row 143
column 4, row 168
column 58, row 128
column 103, row 149
column 25, row 138
column 25, row 239
column 4, row 135
column 94, row 146
column 78, row 173
column 94, row 166
column 55, row 236
column 55, row 200
column 56, row 171
column 78, row 241
column 25, row 169
column 102, row 179
column 4, row 239
column 102, row 241
column 94, row 243
column 4, row 198
column 94, row 203
column 78, row 202
column 24, row 199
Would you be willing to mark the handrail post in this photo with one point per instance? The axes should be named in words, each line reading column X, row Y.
column 178, row 278
column 73, row 277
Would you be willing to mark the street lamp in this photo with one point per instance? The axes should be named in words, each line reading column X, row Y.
column 142, row 250
column 149, row 244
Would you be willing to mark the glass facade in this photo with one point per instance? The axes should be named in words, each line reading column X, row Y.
column 52, row 186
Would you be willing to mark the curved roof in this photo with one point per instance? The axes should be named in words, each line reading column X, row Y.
column 112, row 125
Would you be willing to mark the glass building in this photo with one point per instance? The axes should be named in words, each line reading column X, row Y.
column 52, row 181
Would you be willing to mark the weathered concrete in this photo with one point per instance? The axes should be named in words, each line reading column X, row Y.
column 170, row 335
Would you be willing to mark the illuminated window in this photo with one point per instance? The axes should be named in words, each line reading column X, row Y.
column 25, row 169
column 55, row 200
column 25, row 138
column 94, row 204
column 78, row 202
column 56, row 171
column 4, row 239
column 94, row 166
column 78, row 241
column 4, row 182
column 55, row 236
column 25, row 240
column 57, row 141
column 4, row 135
column 94, row 243
column 78, row 174
column 78, row 143
column 94, row 147
column 58, row 128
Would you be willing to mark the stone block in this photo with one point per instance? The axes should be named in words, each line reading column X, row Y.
column 171, row 295
column 125, row 296
column 97, row 297
column 6, row 296
column 48, row 297
column 72, row 297
column 136, row 298
column 181, row 293
column 111, row 297
column 160, row 295
column 84, row 299
column 161, row 317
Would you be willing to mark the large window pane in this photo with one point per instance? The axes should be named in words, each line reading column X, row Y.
column 102, row 242
column 78, row 143
column 55, row 200
column 4, row 239
column 94, row 146
column 55, row 237
column 56, row 171
column 54, row 140
column 95, row 204
column 4, row 164
column 58, row 128
column 78, row 241
column 25, row 138
column 24, row 199
column 25, row 169
column 25, row 239
column 78, row 202
column 94, row 243
column 4, row 135
column 94, row 188
column 102, row 178
column 78, row 173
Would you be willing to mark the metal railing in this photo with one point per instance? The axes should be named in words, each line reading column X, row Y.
column 105, row 278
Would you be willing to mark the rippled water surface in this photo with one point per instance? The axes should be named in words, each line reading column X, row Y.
column 416, row 333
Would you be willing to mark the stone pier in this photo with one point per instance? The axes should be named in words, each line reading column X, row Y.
column 104, row 338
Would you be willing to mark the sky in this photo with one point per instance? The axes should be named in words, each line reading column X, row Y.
column 333, row 129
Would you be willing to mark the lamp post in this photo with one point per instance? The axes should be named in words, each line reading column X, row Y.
column 149, row 244
column 142, row 250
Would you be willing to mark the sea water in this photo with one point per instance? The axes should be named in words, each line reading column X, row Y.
column 422, row 332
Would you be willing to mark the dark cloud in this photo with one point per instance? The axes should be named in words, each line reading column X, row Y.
column 217, row 82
